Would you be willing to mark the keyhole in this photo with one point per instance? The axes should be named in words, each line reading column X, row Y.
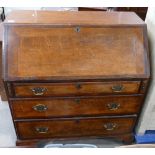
column 77, row 29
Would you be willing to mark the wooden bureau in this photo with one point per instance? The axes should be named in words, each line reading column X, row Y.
column 75, row 74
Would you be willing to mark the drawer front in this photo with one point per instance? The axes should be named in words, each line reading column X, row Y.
column 61, row 107
column 82, row 88
column 74, row 128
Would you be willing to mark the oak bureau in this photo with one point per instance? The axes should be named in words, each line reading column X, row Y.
column 71, row 75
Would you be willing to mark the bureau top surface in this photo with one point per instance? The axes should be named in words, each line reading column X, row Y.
column 73, row 17
column 84, row 52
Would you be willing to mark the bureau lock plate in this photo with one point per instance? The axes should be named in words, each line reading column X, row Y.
column 77, row 29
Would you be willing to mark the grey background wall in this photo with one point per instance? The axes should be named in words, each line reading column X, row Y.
column 147, row 119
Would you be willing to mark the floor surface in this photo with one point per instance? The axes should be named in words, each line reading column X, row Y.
column 7, row 132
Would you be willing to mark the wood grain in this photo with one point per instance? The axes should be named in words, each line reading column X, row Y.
column 74, row 128
column 78, row 106
column 73, row 18
column 47, row 53
column 2, row 90
column 76, row 88
column 62, row 70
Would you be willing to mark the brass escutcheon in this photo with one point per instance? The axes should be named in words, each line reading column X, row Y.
column 113, row 106
column 117, row 88
column 38, row 91
column 40, row 107
column 110, row 126
column 41, row 129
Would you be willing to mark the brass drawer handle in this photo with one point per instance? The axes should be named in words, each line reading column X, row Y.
column 41, row 129
column 113, row 106
column 40, row 107
column 38, row 91
column 117, row 88
column 110, row 126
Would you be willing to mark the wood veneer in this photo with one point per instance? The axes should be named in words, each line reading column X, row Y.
column 76, row 106
column 64, row 72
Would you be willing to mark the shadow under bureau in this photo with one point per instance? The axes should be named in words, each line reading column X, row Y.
column 75, row 74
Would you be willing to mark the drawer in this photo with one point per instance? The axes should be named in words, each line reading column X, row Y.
column 74, row 89
column 76, row 106
column 64, row 128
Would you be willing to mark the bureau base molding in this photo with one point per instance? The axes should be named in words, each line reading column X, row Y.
column 127, row 138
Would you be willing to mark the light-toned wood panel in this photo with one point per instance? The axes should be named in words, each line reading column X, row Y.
column 39, row 52
column 73, row 17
